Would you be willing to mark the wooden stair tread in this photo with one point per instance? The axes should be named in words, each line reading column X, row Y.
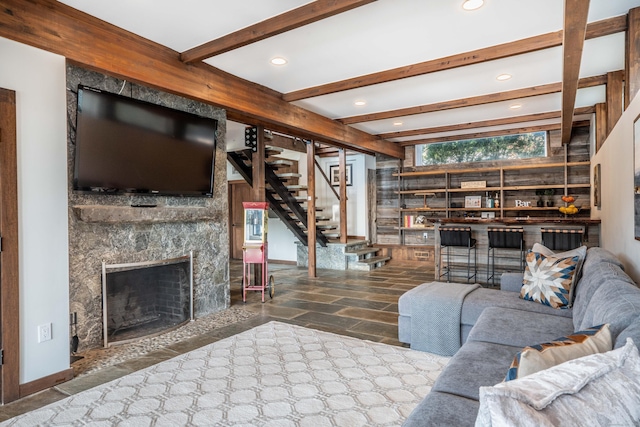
column 320, row 227
column 272, row 149
column 297, row 187
column 281, row 162
column 318, row 218
column 374, row 260
column 363, row 251
column 288, row 175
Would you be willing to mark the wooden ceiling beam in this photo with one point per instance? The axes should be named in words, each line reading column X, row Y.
column 473, row 125
column 531, row 44
column 575, row 28
column 472, row 101
column 303, row 15
column 484, row 123
column 95, row 44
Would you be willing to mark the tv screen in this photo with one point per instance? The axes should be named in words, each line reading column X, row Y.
column 127, row 146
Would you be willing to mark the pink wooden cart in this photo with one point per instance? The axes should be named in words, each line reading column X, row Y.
column 254, row 250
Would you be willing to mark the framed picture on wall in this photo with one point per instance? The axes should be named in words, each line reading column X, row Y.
column 334, row 174
column 597, row 187
column 636, row 176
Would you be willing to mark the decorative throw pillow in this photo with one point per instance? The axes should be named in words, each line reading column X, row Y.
column 581, row 252
column 601, row 389
column 549, row 280
column 536, row 358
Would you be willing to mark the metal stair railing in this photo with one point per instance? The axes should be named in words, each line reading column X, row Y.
column 239, row 161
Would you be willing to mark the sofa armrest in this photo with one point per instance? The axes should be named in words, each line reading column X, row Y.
column 511, row 282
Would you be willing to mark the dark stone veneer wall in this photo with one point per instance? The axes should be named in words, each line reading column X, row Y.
column 91, row 243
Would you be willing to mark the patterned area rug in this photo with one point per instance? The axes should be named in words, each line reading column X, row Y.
column 272, row 375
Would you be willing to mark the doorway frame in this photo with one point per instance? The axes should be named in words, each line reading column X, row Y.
column 9, row 255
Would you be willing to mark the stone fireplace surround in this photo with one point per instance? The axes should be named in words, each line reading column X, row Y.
column 105, row 228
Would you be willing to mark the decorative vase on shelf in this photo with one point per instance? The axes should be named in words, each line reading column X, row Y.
column 549, row 192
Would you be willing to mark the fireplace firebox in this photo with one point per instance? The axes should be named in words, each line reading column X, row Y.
column 146, row 298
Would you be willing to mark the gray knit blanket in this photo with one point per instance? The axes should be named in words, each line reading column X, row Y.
column 435, row 317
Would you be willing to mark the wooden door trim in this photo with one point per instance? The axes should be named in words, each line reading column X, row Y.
column 9, row 271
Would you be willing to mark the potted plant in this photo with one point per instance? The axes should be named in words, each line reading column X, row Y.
column 549, row 192
column 540, row 202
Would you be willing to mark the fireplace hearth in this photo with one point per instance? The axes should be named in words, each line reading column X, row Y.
column 146, row 298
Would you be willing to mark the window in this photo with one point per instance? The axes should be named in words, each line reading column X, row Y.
column 508, row 147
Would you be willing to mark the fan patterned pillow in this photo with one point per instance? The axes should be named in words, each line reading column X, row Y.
column 548, row 280
column 535, row 358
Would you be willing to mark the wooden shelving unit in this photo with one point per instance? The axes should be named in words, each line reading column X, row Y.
column 422, row 193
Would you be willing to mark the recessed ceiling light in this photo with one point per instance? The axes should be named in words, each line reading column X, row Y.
column 397, row 123
column 515, row 106
column 360, row 103
column 278, row 60
column 503, row 77
column 472, row 4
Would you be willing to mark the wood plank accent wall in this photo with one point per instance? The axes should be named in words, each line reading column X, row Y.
column 615, row 82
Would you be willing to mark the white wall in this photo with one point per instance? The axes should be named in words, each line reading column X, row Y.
column 617, row 212
column 38, row 78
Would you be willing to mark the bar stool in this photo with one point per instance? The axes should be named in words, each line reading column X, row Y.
column 503, row 238
column 458, row 237
column 562, row 239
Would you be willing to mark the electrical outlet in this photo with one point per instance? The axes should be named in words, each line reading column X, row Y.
column 44, row 332
column 425, row 235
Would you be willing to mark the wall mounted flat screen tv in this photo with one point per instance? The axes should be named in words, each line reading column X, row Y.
column 127, row 146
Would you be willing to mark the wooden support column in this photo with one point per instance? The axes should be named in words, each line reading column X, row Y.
column 601, row 124
column 258, row 189
column 632, row 62
column 614, row 98
column 258, row 166
column 9, row 257
column 342, row 162
column 311, row 207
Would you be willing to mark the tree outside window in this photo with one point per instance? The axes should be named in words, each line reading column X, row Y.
column 508, row 147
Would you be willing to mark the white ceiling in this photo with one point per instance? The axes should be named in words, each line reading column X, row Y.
column 379, row 36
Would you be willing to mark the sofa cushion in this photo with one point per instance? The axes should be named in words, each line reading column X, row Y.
column 602, row 389
column 616, row 302
column 594, row 275
column 443, row 410
column 476, row 364
column 480, row 299
column 632, row 331
column 515, row 328
column 542, row 356
column 549, row 280
column 597, row 256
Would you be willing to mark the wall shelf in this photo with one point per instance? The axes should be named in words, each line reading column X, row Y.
column 127, row 214
column 440, row 192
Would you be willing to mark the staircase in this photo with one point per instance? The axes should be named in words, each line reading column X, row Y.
column 283, row 194
column 361, row 256
column 285, row 201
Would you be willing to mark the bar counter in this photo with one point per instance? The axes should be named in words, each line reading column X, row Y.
column 505, row 259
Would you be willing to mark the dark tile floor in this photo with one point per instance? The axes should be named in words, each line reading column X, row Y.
column 358, row 304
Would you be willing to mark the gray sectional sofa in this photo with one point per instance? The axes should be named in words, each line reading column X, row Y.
column 496, row 324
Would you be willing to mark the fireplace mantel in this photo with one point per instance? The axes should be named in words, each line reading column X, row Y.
column 127, row 214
